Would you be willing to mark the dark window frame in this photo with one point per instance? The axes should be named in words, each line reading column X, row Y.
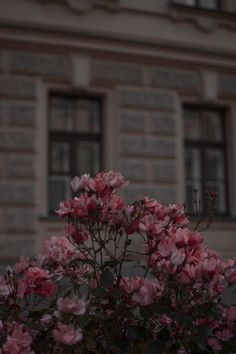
column 72, row 138
column 197, row 5
column 204, row 145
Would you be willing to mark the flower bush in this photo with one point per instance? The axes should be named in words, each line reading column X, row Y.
column 76, row 296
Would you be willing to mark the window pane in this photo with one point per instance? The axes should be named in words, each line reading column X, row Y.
column 192, row 163
column 209, row 4
column 61, row 113
column 87, row 116
column 212, row 126
column 88, row 157
column 219, row 187
column 59, row 190
column 215, row 164
column 191, row 187
column 59, row 156
column 192, row 124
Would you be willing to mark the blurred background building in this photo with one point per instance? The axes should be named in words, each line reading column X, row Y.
column 147, row 88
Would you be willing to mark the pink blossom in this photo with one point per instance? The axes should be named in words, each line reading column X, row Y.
column 225, row 335
column 178, row 214
column 22, row 265
column 72, row 305
column 36, row 281
column 214, row 343
column 114, row 179
column 46, row 319
column 65, row 208
column 151, row 224
column 114, row 202
column 131, row 228
column 231, row 276
column 67, row 334
column 187, row 274
column 80, row 183
column 59, row 250
column 150, row 204
column 143, row 291
column 166, row 247
column 19, row 342
column 177, row 257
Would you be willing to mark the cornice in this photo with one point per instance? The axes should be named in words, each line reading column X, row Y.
column 82, row 6
column 204, row 20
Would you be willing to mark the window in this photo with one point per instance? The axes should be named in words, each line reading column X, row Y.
column 74, row 142
column 205, row 156
column 202, row 4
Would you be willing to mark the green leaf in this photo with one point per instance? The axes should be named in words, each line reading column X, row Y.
column 98, row 292
column 107, row 279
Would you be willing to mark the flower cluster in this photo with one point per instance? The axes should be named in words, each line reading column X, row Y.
column 77, row 297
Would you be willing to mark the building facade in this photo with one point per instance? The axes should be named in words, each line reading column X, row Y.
column 146, row 88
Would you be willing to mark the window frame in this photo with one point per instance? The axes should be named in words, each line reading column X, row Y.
column 72, row 137
column 204, row 145
column 197, row 5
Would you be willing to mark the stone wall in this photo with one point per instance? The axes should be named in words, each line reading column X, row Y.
column 19, row 74
column 145, row 115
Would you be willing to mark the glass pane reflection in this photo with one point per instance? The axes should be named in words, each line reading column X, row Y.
column 59, row 156
column 88, row 157
column 59, row 190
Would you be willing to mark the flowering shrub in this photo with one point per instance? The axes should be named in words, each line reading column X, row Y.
column 76, row 297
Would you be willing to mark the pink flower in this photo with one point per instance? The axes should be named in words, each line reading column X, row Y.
column 84, row 205
column 36, row 281
column 72, row 305
column 19, row 342
column 187, row 274
column 177, row 257
column 131, row 228
column 114, row 179
column 211, row 266
column 80, row 183
column 178, row 214
column 150, row 203
column 166, row 247
column 225, row 335
column 231, row 276
column 143, row 291
column 46, row 319
column 67, row 334
column 214, row 343
column 114, row 202
column 22, row 265
column 58, row 250
column 65, row 208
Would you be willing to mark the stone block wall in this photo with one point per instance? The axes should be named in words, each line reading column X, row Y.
column 19, row 75
column 144, row 114
column 18, row 159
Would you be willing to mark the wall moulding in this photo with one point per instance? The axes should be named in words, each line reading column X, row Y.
column 81, row 6
column 206, row 21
